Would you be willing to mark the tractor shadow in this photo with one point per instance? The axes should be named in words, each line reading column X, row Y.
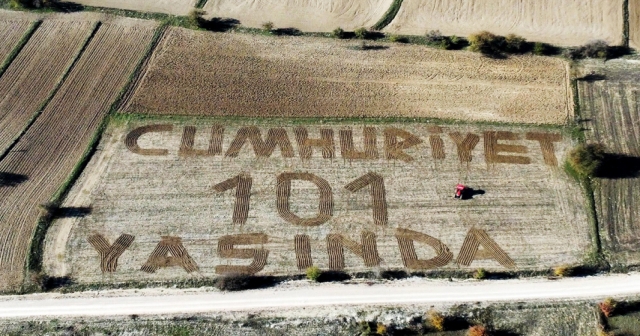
column 11, row 179
column 469, row 193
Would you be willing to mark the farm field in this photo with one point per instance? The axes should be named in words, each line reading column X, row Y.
column 172, row 199
column 559, row 22
column 35, row 73
column 306, row 15
column 634, row 24
column 175, row 7
column 199, row 73
column 11, row 32
column 49, row 150
column 612, row 112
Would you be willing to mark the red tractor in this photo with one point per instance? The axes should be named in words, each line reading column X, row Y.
column 460, row 190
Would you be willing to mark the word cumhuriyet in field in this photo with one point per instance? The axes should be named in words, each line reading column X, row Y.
column 265, row 210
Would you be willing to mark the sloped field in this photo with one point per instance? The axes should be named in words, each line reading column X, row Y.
column 196, row 73
column 11, row 31
column 210, row 197
column 35, row 73
column 48, row 151
column 305, row 15
column 560, row 22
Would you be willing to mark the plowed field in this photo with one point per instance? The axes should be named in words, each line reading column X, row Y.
column 35, row 73
column 196, row 73
column 11, row 31
column 561, row 22
column 53, row 145
column 306, row 15
column 612, row 110
column 210, row 197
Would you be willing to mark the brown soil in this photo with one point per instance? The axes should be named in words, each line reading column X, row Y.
column 465, row 145
column 348, row 150
column 188, row 140
column 226, row 249
column 242, row 184
column 306, row 144
column 410, row 258
column 378, row 195
column 132, row 139
column 367, row 250
column 199, row 73
column 492, row 147
column 35, row 73
column 109, row 254
column 11, row 31
column 275, row 137
column 169, row 253
column 59, row 137
column 470, row 250
column 303, row 252
column 283, row 194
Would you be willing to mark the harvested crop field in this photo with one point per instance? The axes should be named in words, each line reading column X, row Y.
column 306, row 15
column 35, row 73
column 11, row 32
column 46, row 154
column 612, row 113
column 175, row 7
column 196, row 73
column 213, row 196
column 560, row 22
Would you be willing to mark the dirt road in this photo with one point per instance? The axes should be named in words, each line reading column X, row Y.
column 410, row 291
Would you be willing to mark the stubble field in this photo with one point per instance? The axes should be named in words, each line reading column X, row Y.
column 173, row 200
column 560, row 22
column 306, row 15
column 612, row 115
column 196, row 73
column 175, row 7
column 11, row 31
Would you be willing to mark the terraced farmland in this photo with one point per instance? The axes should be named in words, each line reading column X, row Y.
column 206, row 197
column 48, row 151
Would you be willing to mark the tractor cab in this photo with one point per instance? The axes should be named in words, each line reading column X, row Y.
column 460, row 189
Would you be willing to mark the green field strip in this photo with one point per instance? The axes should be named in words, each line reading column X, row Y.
column 53, row 92
column 200, row 4
column 388, row 16
column 625, row 23
column 16, row 50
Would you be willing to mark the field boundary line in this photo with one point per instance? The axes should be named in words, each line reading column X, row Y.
column 18, row 48
column 388, row 16
column 138, row 74
column 34, row 256
column 625, row 23
column 53, row 92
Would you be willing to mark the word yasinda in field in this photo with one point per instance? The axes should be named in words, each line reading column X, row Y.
column 396, row 141
column 171, row 252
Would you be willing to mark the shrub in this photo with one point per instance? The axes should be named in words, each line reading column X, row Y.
column 539, row 48
column 381, row 329
column 514, row 43
column 338, row 33
column 603, row 332
column 595, row 49
column 586, row 160
column 361, row 33
column 268, row 26
column 486, row 43
column 562, row 271
column 397, row 38
column 436, row 320
column 195, row 17
column 477, row 330
column 434, row 37
column 480, row 274
column 608, row 306
column 313, row 273
column 455, row 40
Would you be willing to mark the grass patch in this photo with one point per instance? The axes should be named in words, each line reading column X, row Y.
column 200, row 4
column 388, row 16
